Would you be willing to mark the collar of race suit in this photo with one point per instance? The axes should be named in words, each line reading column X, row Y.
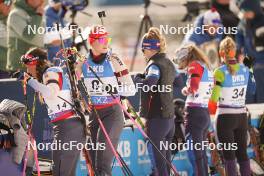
column 99, row 58
column 158, row 56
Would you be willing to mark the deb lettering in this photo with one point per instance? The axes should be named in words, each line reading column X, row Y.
column 97, row 69
column 238, row 78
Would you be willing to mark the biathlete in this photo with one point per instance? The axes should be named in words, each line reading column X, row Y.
column 157, row 104
column 52, row 84
column 229, row 92
column 198, row 92
column 116, row 81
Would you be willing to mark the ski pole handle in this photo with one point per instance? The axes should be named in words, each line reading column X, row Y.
column 101, row 15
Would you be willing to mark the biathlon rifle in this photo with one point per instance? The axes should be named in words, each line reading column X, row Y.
column 70, row 55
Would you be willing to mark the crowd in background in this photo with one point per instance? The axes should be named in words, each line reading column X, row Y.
column 15, row 38
column 238, row 58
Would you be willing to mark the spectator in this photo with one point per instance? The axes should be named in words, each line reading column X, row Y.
column 207, row 34
column 202, row 33
column 5, row 7
column 229, row 19
column 25, row 14
column 54, row 14
column 250, row 40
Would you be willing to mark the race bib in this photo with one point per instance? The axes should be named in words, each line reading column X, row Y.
column 58, row 105
column 203, row 95
column 233, row 96
column 96, row 88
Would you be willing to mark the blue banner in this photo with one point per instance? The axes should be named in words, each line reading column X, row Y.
column 133, row 149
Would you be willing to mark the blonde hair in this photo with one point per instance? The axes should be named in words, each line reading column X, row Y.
column 154, row 33
column 227, row 50
column 196, row 54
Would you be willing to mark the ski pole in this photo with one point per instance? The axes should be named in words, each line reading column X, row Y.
column 117, row 156
column 132, row 119
column 30, row 136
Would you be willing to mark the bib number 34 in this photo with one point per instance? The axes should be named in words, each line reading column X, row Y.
column 238, row 93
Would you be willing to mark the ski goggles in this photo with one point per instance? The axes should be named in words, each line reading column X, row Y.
column 102, row 40
column 150, row 44
column 29, row 59
column 181, row 55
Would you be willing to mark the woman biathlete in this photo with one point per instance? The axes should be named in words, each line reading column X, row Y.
column 111, row 71
column 229, row 93
column 157, row 104
column 198, row 92
column 51, row 83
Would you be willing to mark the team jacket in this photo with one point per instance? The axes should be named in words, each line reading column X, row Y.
column 56, row 93
column 201, row 96
column 116, row 81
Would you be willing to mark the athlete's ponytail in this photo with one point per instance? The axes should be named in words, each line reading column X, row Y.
column 193, row 54
column 198, row 54
column 227, row 50
column 154, row 33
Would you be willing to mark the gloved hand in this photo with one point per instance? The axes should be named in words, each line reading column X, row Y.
column 185, row 91
column 139, row 77
column 27, row 77
column 18, row 74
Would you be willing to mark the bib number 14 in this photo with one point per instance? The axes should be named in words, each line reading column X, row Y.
column 61, row 106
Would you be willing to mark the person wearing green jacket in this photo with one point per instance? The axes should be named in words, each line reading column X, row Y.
column 229, row 92
column 5, row 7
column 25, row 16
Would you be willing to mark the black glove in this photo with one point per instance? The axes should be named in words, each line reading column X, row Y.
column 139, row 77
column 18, row 74
column 248, row 61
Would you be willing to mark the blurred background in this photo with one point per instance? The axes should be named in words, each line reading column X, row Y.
column 123, row 20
